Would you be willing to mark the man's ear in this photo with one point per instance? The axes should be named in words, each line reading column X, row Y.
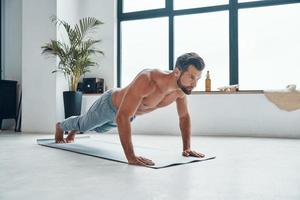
column 177, row 72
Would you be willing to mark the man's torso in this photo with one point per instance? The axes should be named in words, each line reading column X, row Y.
column 159, row 97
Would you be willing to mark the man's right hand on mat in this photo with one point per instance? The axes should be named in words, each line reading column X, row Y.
column 139, row 160
column 189, row 152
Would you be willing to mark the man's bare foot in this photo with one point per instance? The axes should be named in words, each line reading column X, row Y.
column 71, row 136
column 59, row 134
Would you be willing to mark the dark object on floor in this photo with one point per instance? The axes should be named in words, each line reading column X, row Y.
column 8, row 101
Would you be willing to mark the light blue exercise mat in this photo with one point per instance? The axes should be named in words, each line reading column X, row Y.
column 113, row 151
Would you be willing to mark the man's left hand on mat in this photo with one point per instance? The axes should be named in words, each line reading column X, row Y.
column 189, row 152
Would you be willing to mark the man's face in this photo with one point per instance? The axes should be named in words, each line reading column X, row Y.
column 187, row 80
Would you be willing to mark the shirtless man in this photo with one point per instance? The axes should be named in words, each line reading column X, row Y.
column 150, row 90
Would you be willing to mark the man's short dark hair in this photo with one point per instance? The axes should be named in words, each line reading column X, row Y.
column 187, row 59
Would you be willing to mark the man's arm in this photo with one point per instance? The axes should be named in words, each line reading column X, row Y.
column 184, row 122
column 133, row 97
column 185, row 127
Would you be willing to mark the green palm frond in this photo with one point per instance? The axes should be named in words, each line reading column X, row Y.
column 86, row 25
column 95, row 51
column 55, row 48
column 72, row 35
column 89, row 47
column 75, row 54
column 89, row 43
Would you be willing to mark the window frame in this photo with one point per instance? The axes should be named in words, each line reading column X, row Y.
column 232, row 7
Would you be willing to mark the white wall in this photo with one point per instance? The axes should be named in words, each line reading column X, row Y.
column 67, row 10
column 220, row 114
column 12, row 31
column 225, row 114
column 2, row 38
column 39, row 84
column 105, row 11
column 45, row 98
column 73, row 10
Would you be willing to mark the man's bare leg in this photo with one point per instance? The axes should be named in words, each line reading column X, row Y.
column 59, row 134
column 71, row 136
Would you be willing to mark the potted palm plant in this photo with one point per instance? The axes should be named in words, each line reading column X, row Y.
column 75, row 57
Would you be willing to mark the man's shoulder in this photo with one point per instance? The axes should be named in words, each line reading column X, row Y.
column 153, row 71
column 144, row 76
column 149, row 78
column 150, row 75
column 143, row 83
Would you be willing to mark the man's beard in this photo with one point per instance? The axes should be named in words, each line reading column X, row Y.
column 183, row 88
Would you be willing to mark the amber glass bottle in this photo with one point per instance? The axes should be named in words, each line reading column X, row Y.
column 207, row 82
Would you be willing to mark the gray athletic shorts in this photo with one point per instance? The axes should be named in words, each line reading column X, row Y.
column 100, row 117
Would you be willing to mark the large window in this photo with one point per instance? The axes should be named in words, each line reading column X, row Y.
column 208, row 40
column 269, row 48
column 240, row 1
column 144, row 46
column 183, row 4
column 253, row 43
column 139, row 5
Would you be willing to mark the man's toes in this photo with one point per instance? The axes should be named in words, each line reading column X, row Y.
column 59, row 141
column 69, row 140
